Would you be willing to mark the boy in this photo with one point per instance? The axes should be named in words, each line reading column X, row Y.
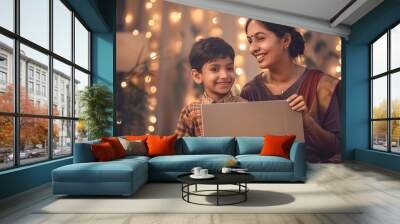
column 212, row 65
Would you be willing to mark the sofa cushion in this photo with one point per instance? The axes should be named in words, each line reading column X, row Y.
column 103, row 152
column 249, row 145
column 206, row 145
column 277, row 145
column 111, row 171
column 161, row 145
column 116, row 145
column 257, row 163
column 185, row 163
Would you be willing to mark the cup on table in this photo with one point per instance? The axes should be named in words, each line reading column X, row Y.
column 226, row 170
column 203, row 172
column 196, row 171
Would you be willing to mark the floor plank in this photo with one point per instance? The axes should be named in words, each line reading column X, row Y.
column 376, row 189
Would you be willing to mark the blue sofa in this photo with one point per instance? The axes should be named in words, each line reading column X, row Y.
column 125, row 176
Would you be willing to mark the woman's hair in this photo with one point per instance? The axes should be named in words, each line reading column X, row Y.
column 296, row 46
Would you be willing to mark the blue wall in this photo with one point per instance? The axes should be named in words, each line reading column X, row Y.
column 99, row 15
column 356, row 83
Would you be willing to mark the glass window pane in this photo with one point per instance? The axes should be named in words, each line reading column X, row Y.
column 62, row 138
column 81, row 81
column 395, row 136
column 35, row 21
column 395, row 94
column 81, row 131
column 62, row 89
column 379, row 97
column 6, row 142
column 34, row 96
column 7, row 14
column 62, row 29
column 379, row 135
column 379, row 55
column 33, row 139
column 81, row 45
column 6, row 74
column 395, row 47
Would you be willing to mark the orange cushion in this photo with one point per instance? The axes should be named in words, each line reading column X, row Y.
column 275, row 145
column 103, row 151
column 136, row 137
column 161, row 145
column 116, row 145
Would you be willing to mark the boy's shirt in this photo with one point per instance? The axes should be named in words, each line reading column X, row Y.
column 190, row 122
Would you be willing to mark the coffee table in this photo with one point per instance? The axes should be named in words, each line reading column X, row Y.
column 238, row 179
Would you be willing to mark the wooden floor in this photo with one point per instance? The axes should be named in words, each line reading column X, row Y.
column 377, row 188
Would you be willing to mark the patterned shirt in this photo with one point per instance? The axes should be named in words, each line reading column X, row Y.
column 190, row 122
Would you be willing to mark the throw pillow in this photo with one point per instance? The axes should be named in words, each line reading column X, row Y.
column 135, row 147
column 275, row 145
column 103, row 151
column 161, row 145
column 117, row 146
column 136, row 137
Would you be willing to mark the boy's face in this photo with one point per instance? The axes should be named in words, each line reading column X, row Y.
column 217, row 77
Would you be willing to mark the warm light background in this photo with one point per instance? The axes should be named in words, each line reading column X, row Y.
column 154, row 38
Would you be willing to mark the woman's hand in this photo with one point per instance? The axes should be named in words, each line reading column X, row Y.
column 297, row 103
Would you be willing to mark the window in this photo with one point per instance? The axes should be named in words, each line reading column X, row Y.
column 49, row 79
column 30, row 87
column 385, row 94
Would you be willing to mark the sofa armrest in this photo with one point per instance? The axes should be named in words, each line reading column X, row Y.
column 83, row 152
column 298, row 157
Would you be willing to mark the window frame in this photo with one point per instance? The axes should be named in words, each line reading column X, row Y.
column 16, row 114
column 388, row 74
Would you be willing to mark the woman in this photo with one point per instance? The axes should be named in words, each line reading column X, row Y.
column 308, row 91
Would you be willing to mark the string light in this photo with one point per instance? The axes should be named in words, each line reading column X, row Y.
column 128, row 18
column 153, row 89
column 147, row 79
column 338, row 69
column 135, row 32
column 149, row 5
column 242, row 36
column 153, row 1
column 239, row 71
column 124, row 84
column 197, row 16
column 153, row 119
column 242, row 46
column 119, row 122
column 151, row 22
column 150, row 128
column 153, row 56
column 215, row 20
column 242, row 21
column 148, row 34
column 216, row 32
column 174, row 17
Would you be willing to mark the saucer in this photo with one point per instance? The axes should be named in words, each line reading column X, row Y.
column 208, row 176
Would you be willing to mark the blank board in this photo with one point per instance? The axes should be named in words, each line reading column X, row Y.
column 252, row 119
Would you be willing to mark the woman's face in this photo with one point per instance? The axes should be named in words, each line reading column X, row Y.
column 265, row 46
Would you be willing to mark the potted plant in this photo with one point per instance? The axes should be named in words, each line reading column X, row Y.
column 96, row 102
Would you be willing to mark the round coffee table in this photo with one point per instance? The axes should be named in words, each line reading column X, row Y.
column 238, row 179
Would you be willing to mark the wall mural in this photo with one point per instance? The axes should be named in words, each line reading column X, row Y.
column 159, row 45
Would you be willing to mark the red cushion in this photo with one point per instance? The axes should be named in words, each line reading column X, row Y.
column 161, row 145
column 116, row 145
column 103, row 151
column 275, row 145
column 136, row 137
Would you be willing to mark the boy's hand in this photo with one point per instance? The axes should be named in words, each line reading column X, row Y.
column 297, row 103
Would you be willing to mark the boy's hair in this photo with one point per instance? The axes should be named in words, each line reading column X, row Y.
column 206, row 50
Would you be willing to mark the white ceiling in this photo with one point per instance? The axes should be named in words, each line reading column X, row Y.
column 315, row 15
